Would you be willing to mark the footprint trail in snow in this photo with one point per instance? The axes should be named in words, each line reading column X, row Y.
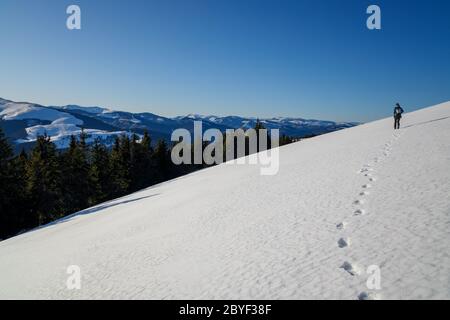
column 367, row 171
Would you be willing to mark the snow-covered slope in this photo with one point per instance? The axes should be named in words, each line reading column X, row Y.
column 228, row 232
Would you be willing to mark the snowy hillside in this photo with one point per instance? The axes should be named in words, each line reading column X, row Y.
column 341, row 202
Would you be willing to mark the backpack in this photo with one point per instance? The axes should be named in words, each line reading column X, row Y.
column 398, row 112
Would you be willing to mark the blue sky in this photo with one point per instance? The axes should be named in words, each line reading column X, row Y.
column 312, row 59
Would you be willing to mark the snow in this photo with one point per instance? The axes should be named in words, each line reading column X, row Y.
column 341, row 202
column 276, row 122
column 62, row 141
column 61, row 134
column 53, row 130
column 63, row 125
column 93, row 110
column 22, row 111
column 61, row 121
column 3, row 102
column 109, row 114
column 61, row 130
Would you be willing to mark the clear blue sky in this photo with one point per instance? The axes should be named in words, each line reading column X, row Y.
column 313, row 59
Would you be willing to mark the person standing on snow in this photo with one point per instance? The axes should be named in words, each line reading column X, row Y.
column 397, row 116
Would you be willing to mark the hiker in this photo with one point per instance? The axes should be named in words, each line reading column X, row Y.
column 397, row 116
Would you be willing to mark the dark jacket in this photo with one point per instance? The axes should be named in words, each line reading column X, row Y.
column 398, row 112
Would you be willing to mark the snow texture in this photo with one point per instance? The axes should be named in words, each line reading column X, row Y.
column 229, row 233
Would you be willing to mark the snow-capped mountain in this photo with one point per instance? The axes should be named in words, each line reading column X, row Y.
column 362, row 203
column 23, row 122
column 296, row 127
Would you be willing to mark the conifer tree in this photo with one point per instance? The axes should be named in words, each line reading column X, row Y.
column 148, row 151
column 5, row 178
column 141, row 162
column 19, row 205
column 76, row 175
column 43, row 182
column 259, row 125
column 100, row 173
column 162, row 160
column 45, row 185
column 285, row 139
column 146, row 142
column 120, row 160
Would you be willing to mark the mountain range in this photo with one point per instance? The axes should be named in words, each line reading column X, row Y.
column 23, row 122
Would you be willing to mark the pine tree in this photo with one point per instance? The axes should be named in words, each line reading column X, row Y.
column 5, row 178
column 43, row 182
column 100, row 173
column 120, row 161
column 162, row 160
column 285, row 140
column 147, row 150
column 45, row 185
column 146, row 142
column 76, row 175
column 141, row 169
column 18, row 187
column 259, row 125
column 5, row 149
column 14, row 209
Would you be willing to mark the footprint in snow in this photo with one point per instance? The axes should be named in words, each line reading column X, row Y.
column 372, row 179
column 358, row 202
column 342, row 242
column 350, row 268
column 364, row 193
column 366, row 186
column 359, row 212
column 341, row 225
column 368, row 296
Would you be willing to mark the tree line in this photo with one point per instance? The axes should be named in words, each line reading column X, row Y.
column 46, row 184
